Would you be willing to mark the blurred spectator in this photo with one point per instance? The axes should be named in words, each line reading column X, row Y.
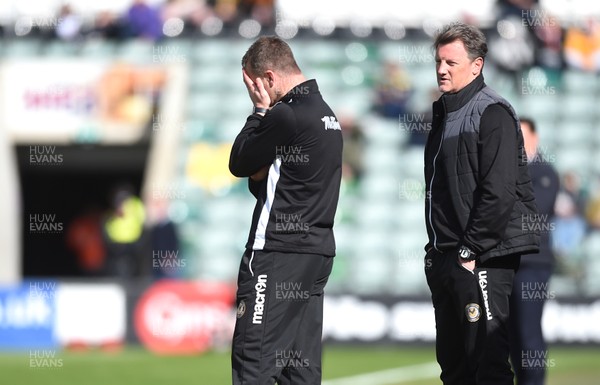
column 259, row 10
column 548, row 35
column 166, row 261
column 84, row 238
column 573, row 189
column 226, row 10
column 393, row 91
column 582, row 46
column 511, row 48
column 144, row 21
column 592, row 208
column 515, row 7
column 69, row 26
column 124, row 229
column 570, row 228
column 192, row 12
column 109, row 26
column 354, row 144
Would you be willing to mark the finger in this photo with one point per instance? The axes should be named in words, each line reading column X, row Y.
column 260, row 86
column 249, row 83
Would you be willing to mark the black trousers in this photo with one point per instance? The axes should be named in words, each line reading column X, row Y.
column 528, row 350
column 471, row 316
column 277, row 336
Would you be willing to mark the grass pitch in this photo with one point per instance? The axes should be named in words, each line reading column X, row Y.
column 135, row 366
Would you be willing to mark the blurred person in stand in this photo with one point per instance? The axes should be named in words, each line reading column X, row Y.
column 582, row 46
column 109, row 26
column 193, row 12
column 124, row 230
column 164, row 241
column 393, row 91
column 512, row 46
column 515, row 7
column 478, row 196
column 69, row 26
column 144, row 21
column 571, row 227
column 290, row 149
column 84, row 238
column 548, row 34
column 259, row 10
column 592, row 212
column 530, row 286
column 354, row 145
column 227, row 11
column 572, row 187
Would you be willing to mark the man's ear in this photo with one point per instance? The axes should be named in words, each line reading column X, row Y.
column 270, row 76
column 477, row 66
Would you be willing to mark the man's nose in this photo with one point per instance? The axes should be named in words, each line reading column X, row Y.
column 442, row 69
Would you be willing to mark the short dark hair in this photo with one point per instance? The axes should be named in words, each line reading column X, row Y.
column 269, row 53
column 528, row 121
column 471, row 36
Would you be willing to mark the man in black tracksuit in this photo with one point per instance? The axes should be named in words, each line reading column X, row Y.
column 478, row 201
column 291, row 150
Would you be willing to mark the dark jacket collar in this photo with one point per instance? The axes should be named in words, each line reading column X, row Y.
column 305, row 88
column 455, row 101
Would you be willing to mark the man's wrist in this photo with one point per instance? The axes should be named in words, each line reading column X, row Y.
column 259, row 110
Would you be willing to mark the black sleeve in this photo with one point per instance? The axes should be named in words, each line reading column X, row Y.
column 255, row 146
column 255, row 186
column 497, row 185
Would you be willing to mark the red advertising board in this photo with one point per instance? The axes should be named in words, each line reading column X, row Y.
column 185, row 317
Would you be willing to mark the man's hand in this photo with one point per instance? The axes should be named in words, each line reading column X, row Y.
column 260, row 174
column 256, row 90
column 469, row 265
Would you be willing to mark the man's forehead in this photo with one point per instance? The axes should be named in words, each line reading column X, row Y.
column 454, row 49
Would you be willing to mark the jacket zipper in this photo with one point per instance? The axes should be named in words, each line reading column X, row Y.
column 431, row 185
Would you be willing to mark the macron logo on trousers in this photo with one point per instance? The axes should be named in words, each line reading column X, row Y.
column 259, row 303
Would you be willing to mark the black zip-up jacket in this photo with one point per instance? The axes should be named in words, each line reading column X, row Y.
column 300, row 140
column 478, row 190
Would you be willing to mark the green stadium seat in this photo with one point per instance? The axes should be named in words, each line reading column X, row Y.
column 575, row 106
column 59, row 48
column 137, row 51
column 208, row 78
column 574, row 158
column 320, row 53
column 21, row 48
column 218, row 52
column 204, row 106
column 578, row 82
column 379, row 186
column 413, row 163
column 97, row 48
column 410, row 213
column 540, row 106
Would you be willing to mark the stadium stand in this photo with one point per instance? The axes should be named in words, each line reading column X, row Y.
column 380, row 229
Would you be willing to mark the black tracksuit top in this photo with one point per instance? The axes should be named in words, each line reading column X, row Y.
column 300, row 140
column 479, row 193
